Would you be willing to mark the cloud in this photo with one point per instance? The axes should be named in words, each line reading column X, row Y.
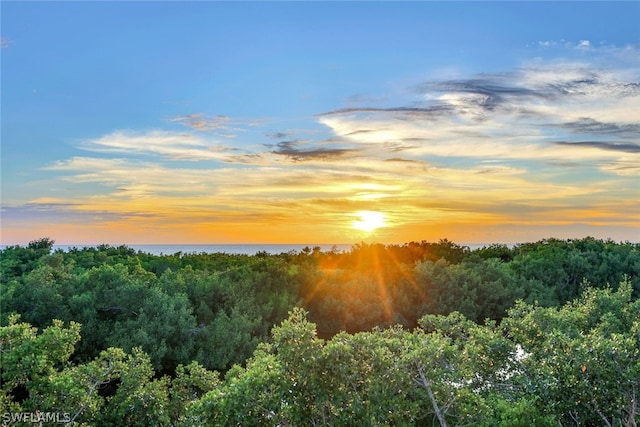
column 547, row 43
column 289, row 149
column 566, row 44
column 221, row 125
column 131, row 178
column 560, row 112
column 5, row 42
column 586, row 125
column 166, row 144
column 43, row 211
column 605, row 145
column 198, row 121
column 584, row 44
column 486, row 93
column 281, row 135
column 624, row 166
column 394, row 111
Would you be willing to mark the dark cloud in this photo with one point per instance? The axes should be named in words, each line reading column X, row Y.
column 585, row 85
column 490, row 92
column 289, row 149
column 604, row 145
column 494, row 92
column 362, row 131
column 579, row 86
column 288, row 145
column 588, row 125
column 280, row 135
column 406, row 161
column 510, row 93
column 497, row 88
column 411, row 111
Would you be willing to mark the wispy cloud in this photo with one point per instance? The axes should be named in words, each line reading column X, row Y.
column 281, row 135
column 580, row 44
column 586, row 125
column 220, row 125
column 176, row 146
column 605, row 145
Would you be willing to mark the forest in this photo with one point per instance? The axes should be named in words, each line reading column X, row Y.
column 544, row 333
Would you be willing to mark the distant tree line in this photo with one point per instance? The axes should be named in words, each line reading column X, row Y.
column 382, row 334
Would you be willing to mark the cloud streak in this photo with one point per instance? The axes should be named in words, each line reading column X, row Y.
column 219, row 125
column 169, row 145
column 290, row 150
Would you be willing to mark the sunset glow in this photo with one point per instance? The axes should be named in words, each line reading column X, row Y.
column 368, row 221
column 252, row 122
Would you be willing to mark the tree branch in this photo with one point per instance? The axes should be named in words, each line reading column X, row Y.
column 95, row 385
column 424, row 382
column 633, row 407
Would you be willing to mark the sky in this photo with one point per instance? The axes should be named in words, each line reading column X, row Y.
column 319, row 122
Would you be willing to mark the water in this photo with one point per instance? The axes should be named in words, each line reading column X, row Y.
column 229, row 249
column 239, row 249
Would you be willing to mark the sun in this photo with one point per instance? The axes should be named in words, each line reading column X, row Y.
column 368, row 221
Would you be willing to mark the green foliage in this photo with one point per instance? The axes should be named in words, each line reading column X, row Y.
column 214, row 308
column 39, row 365
column 301, row 380
column 583, row 359
column 562, row 266
column 28, row 357
column 139, row 399
column 520, row 413
column 464, row 367
column 230, row 339
column 16, row 261
column 480, row 289
column 75, row 389
column 578, row 364
column 452, row 370
column 189, row 385
column 418, row 334
column 123, row 310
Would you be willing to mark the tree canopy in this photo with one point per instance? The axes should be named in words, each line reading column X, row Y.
column 544, row 333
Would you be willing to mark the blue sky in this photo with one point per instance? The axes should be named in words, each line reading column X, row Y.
column 284, row 122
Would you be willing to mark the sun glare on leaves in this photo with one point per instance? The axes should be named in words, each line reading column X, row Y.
column 368, row 221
